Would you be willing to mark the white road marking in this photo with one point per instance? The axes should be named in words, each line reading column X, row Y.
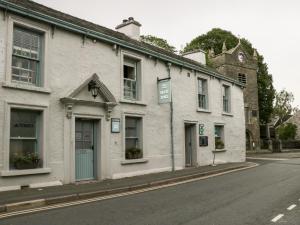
column 271, row 159
column 79, row 202
column 278, row 217
column 291, row 207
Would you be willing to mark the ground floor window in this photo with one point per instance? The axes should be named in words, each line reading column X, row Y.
column 133, row 138
column 219, row 137
column 25, row 152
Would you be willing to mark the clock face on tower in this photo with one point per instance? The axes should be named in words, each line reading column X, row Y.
column 241, row 57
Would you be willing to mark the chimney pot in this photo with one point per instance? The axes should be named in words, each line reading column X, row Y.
column 130, row 27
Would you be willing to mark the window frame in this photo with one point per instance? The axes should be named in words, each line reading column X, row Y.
column 141, row 117
column 206, row 94
column 222, row 137
column 44, row 30
column 38, row 60
column 36, row 137
column 242, row 78
column 43, row 138
column 139, row 78
column 224, row 88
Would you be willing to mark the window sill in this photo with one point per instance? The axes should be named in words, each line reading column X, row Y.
column 227, row 114
column 26, row 87
column 125, row 101
column 133, row 161
column 12, row 173
column 203, row 110
column 219, row 150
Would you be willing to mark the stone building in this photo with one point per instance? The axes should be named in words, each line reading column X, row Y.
column 79, row 101
column 237, row 64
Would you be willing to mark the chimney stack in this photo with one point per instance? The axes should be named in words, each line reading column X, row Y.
column 130, row 27
column 197, row 55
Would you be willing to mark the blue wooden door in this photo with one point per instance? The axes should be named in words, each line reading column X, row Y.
column 84, row 150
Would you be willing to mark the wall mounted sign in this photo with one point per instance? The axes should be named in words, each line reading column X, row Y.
column 201, row 129
column 164, row 91
column 115, row 125
column 203, row 141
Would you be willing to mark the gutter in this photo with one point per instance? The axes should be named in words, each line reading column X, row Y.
column 94, row 34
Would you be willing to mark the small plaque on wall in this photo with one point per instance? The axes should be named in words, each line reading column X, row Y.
column 203, row 141
column 115, row 125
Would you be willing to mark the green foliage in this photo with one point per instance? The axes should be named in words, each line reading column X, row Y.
column 283, row 105
column 158, row 42
column 287, row 131
column 266, row 91
column 134, row 153
column 214, row 40
column 26, row 161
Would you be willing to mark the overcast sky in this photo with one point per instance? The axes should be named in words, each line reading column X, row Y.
column 272, row 26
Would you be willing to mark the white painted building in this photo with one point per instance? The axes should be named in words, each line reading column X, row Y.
column 54, row 130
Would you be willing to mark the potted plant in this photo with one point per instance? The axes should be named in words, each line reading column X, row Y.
column 219, row 144
column 26, row 161
column 134, row 153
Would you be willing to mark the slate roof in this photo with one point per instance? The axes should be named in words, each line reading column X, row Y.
column 31, row 5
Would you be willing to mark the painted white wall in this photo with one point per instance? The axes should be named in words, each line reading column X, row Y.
column 69, row 63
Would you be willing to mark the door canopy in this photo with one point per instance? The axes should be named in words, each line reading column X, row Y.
column 82, row 96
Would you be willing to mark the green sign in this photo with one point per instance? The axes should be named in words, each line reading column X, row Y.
column 164, row 91
column 201, row 129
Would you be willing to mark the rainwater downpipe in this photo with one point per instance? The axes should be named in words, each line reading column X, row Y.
column 171, row 118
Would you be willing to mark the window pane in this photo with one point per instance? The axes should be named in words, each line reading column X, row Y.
column 24, row 70
column 131, row 127
column 26, row 43
column 129, row 72
column 23, row 123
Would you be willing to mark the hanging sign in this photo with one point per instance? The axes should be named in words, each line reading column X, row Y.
column 164, row 91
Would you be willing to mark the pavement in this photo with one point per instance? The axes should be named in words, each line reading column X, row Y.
column 261, row 195
column 269, row 155
column 38, row 197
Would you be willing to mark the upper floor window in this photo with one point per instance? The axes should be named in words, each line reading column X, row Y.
column 26, row 56
column 131, row 78
column 226, row 99
column 202, row 94
column 242, row 78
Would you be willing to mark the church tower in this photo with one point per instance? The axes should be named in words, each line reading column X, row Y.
column 236, row 63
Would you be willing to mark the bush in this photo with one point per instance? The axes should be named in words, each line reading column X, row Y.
column 287, row 131
column 134, row 153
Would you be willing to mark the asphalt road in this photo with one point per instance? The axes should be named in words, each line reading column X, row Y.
column 254, row 196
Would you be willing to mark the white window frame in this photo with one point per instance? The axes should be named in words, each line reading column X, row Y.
column 139, row 78
column 228, row 86
column 222, row 137
column 44, row 30
column 206, row 94
column 140, row 116
column 43, row 138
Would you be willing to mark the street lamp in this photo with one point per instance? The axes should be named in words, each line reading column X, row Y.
column 93, row 88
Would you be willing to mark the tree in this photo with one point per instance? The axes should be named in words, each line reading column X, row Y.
column 287, row 131
column 283, row 105
column 158, row 42
column 214, row 39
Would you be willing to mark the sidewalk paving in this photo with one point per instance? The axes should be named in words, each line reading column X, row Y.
column 72, row 192
column 270, row 155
